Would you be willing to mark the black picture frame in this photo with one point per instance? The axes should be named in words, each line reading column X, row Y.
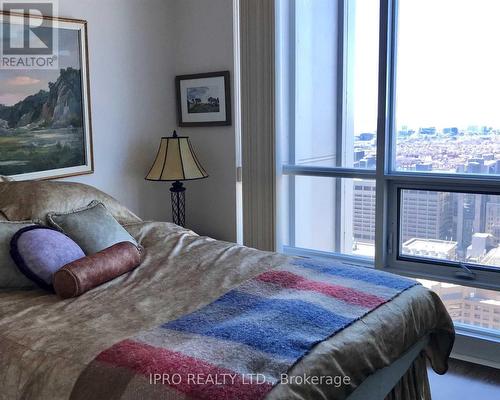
column 183, row 112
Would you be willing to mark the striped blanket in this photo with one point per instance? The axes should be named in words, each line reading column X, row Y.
column 239, row 346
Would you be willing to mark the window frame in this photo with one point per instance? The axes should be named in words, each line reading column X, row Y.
column 391, row 181
column 438, row 270
column 388, row 181
column 290, row 169
column 473, row 343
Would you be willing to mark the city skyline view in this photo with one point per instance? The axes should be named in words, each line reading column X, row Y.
column 474, row 149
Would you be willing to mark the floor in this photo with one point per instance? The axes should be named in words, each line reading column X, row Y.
column 465, row 381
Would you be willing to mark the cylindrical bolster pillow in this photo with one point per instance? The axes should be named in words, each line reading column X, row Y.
column 89, row 272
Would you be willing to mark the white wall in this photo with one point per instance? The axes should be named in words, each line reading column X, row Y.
column 204, row 43
column 131, row 47
column 316, row 82
column 136, row 49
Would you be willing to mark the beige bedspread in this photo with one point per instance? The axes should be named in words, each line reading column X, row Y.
column 46, row 343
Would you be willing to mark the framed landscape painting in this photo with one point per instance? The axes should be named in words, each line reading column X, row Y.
column 203, row 99
column 45, row 121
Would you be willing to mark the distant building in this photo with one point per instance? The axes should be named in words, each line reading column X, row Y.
column 490, row 166
column 360, row 164
column 473, row 167
column 492, row 258
column 365, row 136
column 431, row 248
column 427, row 131
column 479, row 160
column 480, row 245
column 371, row 162
column 358, row 155
column 450, row 131
column 426, row 215
column 485, row 130
column 466, row 305
column 424, row 167
column 364, row 211
column 468, row 219
column 493, row 216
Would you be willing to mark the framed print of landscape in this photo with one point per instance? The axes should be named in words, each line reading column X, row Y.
column 203, row 99
column 45, row 122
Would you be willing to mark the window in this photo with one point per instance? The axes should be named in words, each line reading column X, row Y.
column 443, row 132
column 446, row 108
column 333, row 215
column 450, row 226
column 334, row 104
column 388, row 145
column 328, row 125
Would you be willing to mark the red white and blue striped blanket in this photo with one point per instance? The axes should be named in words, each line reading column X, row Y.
column 239, row 346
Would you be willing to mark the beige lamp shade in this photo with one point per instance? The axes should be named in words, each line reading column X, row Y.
column 176, row 161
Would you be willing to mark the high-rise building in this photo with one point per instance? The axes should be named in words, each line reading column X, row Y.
column 470, row 218
column 358, row 154
column 426, row 215
column 493, row 217
column 473, row 167
column 364, row 211
column 464, row 221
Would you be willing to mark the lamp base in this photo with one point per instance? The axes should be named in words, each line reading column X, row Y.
column 178, row 198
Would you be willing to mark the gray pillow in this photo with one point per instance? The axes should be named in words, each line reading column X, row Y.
column 93, row 227
column 10, row 276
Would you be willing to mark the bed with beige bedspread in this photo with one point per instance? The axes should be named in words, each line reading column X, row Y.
column 47, row 344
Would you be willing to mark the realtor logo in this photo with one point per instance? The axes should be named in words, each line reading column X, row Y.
column 29, row 35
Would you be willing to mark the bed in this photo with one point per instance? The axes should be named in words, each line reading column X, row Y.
column 48, row 347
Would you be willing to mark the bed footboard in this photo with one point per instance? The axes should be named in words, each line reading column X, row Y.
column 405, row 379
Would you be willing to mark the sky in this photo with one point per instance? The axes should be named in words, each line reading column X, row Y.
column 448, row 63
column 202, row 92
column 16, row 85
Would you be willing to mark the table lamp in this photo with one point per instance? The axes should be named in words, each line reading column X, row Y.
column 176, row 162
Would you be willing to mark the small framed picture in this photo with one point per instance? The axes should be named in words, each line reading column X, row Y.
column 203, row 99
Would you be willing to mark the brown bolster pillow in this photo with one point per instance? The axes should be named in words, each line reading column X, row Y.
column 89, row 272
